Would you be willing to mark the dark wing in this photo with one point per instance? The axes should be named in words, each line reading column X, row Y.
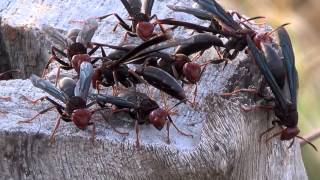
column 264, row 68
column 289, row 61
column 200, row 42
column 120, row 102
column 201, row 14
column 135, row 5
column 156, row 54
column 127, row 47
column 150, row 51
column 47, row 86
column 132, row 54
column 165, row 46
column 218, row 11
column 275, row 64
column 55, row 37
column 189, row 25
column 84, row 82
column 147, row 7
column 127, row 5
column 89, row 28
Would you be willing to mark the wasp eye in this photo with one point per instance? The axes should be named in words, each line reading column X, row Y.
column 76, row 48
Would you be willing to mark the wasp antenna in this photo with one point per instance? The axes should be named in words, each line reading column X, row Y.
column 253, row 18
column 176, row 105
column 276, row 29
column 291, row 143
column 276, row 134
column 105, row 16
column 314, row 147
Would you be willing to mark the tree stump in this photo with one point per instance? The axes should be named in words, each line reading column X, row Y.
column 225, row 143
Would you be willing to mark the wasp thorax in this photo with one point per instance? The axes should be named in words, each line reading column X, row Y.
column 78, row 59
column 145, row 30
column 158, row 118
column 192, row 72
column 76, row 48
column 81, row 118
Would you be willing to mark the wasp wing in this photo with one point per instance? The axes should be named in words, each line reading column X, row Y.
column 72, row 35
column 84, row 82
column 275, row 64
column 66, row 86
column 55, row 37
column 147, row 6
column 126, row 47
column 132, row 6
column 133, row 53
column 262, row 64
column 193, row 26
column 219, row 12
column 120, row 102
column 135, row 5
column 165, row 45
column 289, row 61
column 89, row 28
column 47, row 86
column 201, row 14
column 150, row 51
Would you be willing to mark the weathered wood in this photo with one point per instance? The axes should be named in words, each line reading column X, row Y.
column 225, row 144
column 227, row 147
column 24, row 48
column 4, row 57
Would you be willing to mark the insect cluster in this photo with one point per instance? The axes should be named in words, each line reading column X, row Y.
column 129, row 66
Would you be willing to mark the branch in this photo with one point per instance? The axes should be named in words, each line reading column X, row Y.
column 310, row 137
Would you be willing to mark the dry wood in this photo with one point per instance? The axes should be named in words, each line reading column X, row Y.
column 225, row 144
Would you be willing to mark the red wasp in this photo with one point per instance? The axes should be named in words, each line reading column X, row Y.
column 140, row 15
column 74, row 46
column 143, row 109
column 73, row 95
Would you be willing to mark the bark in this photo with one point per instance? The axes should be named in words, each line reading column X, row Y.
column 23, row 48
column 225, row 143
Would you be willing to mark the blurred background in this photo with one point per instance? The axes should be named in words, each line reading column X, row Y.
column 304, row 17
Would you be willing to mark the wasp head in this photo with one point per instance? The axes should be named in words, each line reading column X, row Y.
column 145, row 30
column 289, row 133
column 81, row 118
column 158, row 118
column 192, row 72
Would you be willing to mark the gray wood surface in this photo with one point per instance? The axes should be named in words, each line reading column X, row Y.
column 225, row 143
column 23, row 49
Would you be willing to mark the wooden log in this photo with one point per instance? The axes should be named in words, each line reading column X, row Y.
column 225, row 143
column 24, row 48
